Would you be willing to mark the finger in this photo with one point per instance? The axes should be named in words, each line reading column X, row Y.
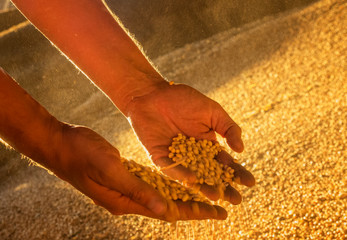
column 221, row 213
column 115, row 202
column 118, row 204
column 225, row 126
column 232, row 195
column 210, row 192
column 135, row 189
column 246, row 178
column 178, row 172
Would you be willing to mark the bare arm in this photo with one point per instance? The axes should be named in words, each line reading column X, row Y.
column 21, row 117
column 89, row 35
column 76, row 154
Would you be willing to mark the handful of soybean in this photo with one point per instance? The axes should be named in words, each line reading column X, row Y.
column 197, row 155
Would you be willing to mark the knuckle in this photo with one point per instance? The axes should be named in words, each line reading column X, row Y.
column 136, row 193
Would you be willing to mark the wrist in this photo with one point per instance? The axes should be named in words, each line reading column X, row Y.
column 48, row 154
column 135, row 86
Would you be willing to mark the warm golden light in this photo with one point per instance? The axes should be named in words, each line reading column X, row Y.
column 282, row 79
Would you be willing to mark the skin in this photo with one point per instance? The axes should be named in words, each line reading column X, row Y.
column 89, row 36
column 83, row 158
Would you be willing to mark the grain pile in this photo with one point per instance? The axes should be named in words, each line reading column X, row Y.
column 283, row 80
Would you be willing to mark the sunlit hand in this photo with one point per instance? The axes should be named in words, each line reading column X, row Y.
column 171, row 109
column 93, row 166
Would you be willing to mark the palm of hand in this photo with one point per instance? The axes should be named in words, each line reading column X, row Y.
column 159, row 116
column 93, row 166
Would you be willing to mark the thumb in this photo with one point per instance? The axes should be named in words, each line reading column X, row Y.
column 225, row 126
column 142, row 193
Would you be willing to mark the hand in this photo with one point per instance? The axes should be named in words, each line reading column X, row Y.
column 93, row 166
column 171, row 109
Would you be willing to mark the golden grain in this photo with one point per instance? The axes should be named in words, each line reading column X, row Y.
column 200, row 157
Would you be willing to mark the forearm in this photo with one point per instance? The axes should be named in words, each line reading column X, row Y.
column 88, row 34
column 25, row 124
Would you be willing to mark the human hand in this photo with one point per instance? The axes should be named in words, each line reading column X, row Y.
column 171, row 109
column 93, row 166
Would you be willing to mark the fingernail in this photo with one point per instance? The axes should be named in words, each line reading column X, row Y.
column 157, row 206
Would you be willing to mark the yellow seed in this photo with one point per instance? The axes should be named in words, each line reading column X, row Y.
column 185, row 197
column 167, row 192
column 193, row 168
column 161, row 191
column 221, row 189
column 210, row 155
column 209, row 181
column 203, row 153
column 160, row 184
column 167, row 181
column 207, row 164
column 145, row 178
column 174, row 195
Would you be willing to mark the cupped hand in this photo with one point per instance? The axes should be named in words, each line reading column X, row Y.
column 160, row 115
column 92, row 165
